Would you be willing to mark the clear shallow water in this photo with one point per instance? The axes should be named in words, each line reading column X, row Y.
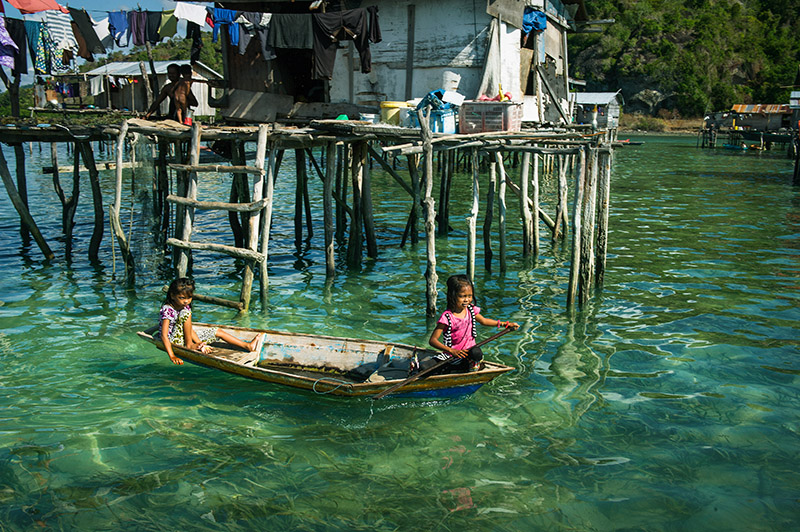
column 669, row 404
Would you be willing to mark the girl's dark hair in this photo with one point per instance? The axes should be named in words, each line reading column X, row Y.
column 182, row 286
column 454, row 284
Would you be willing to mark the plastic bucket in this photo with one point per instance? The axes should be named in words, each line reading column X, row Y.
column 390, row 112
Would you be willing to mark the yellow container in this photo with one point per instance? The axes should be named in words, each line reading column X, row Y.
column 390, row 112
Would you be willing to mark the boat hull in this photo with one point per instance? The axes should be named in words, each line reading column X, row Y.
column 331, row 365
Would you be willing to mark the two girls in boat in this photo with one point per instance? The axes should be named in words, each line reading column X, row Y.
column 455, row 330
column 175, row 318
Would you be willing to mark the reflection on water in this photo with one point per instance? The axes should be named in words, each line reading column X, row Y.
column 668, row 404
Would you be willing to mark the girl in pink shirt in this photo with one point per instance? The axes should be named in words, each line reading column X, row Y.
column 455, row 331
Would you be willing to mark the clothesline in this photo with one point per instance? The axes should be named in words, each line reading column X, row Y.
column 58, row 37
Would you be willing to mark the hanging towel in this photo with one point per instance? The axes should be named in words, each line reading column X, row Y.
column 86, row 28
column 137, row 26
column 191, row 12
column 329, row 29
column 96, row 85
column 153, row 23
column 103, row 33
column 118, row 26
column 225, row 17
column 60, row 27
column 33, row 29
column 8, row 48
column 169, row 24
column 16, row 29
column 26, row 7
column 291, row 31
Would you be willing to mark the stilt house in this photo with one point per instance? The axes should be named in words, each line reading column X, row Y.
column 423, row 46
column 607, row 105
column 120, row 85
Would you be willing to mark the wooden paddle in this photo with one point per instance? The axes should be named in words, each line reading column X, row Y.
column 439, row 364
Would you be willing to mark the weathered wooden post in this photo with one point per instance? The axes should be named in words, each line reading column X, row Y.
column 327, row 208
column 184, row 253
column 300, row 185
column 561, row 227
column 254, row 219
column 580, row 174
column 473, row 216
column 355, row 244
column 501, row 209
column 22, row 209
column 524, row 208
column 431, row 277
column 116, row 225
column 535, row 198
column 587, row 232
column 487, row 221
column 97, row 199
column 366, row 207
column 604, row 194
column 266, row 214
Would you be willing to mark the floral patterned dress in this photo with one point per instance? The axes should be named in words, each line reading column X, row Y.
column 177, row 320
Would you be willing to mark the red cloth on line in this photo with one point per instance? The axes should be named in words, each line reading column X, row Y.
column 26, row 7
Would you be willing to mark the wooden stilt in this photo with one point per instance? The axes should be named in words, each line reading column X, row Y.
column 87, row 154
column 327, row 208
column 253, row 223
column 444, row 191
column 162, row 190
column 473, row 218
column 366, row 206
column 300, row 168
column 266, row 214
column 587, row 232
column 561, row 219
column 116, row 225
column 536, row 208
column 524, row 207
column 240, row 193
column 580, row 176
column 307, row 203
column 342, row 169
column 487, row 221
column 184, row 254
column 604, row 193
column 22, row 188
column 501, row 209
column 413, row 216
column 354, row 245
column 431, row 277
column 22, row 208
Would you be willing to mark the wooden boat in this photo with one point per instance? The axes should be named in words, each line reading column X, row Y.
column 330, row 365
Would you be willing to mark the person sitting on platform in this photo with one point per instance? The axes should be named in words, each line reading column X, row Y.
column 168, row 90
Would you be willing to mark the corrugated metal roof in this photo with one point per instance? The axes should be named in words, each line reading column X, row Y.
column 132, row 68
column 762, row 108
column 597, row 98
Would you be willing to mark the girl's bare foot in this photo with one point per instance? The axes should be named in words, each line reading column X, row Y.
column 255, row 345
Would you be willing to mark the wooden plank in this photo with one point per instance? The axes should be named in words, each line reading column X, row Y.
column 216, row 168
column 219, row 248
column 218, row 205
column 191, row 193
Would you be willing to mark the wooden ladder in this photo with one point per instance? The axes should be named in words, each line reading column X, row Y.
column 260, row 209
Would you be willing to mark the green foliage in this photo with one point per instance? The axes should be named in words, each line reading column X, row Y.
column 25, row 101
column 703, row 55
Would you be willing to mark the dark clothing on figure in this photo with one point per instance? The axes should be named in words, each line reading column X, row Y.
column 329, row 29
column 457, row 365
column 291, row 31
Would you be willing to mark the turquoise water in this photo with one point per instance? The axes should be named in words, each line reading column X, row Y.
column 670, row 403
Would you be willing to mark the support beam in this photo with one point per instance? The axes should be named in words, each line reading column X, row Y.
column 266, row 214
column 327, row 208
column 580, row 175
column 473, row 217
column 87, row 154
column 191, row 193
column 524, row 206
column 431, row 277
column 501, row 209
column 116, row 225
column 487, row 221
column 604, row 193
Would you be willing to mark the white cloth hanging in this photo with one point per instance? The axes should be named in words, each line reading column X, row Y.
column 60, row 27
column 191, row 12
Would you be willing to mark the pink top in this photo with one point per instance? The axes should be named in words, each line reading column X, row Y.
column 461, row 329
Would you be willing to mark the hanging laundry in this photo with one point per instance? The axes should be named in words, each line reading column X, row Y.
column 255, row 25
column 225, row 17
column 8, row 48
column 291, row 31
column 96, row 85
column 374, row 25
column 137, row 26
column 49, row 52
column 33, row 30
column 191, row 12
column 169, row 25
column 153, row 23
column 16, row 29
column 193, row 32
column 103, row 32
column 84, row 26
column 26, row 7
column 329, row 29
column 60, row 27
column 118, row 26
